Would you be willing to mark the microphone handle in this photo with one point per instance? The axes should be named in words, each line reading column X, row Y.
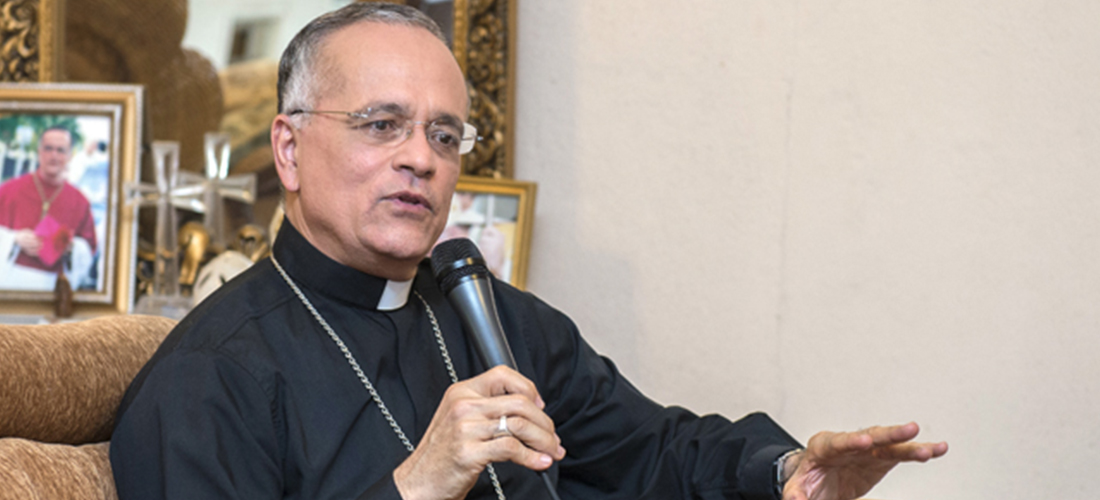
column 473, row 300
column 549, row 485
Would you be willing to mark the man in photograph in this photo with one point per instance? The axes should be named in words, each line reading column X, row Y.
column 46, row 224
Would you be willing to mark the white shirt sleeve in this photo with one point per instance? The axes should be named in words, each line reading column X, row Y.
column 81, row 260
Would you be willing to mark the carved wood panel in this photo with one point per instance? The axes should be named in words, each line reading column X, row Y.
column 486, row 54
column 31, row 34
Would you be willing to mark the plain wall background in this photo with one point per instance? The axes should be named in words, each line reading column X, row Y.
column 843, row 213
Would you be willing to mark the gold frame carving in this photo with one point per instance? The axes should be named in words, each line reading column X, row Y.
column 31, row 40
column 123, row 105
column 484, row 45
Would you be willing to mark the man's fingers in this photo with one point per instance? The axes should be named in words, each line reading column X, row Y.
column 897, row 434
column 28, row 242
column 840, row 443
column 486, row 411
column 887, row 435
column 848, row 443
column 511, row 450
column 873, row 437
column 534, row 436
column 912, row 452
column 476, row 406
column 502, row 380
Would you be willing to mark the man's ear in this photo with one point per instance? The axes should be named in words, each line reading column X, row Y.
column 284, row 147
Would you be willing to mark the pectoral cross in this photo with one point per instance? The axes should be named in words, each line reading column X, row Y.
column 217, row 186
column 46, row 202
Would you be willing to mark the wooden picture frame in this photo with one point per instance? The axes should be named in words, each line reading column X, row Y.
column 104, row 122
column 498, row 215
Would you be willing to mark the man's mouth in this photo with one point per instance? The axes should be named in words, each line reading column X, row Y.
column 411, row 200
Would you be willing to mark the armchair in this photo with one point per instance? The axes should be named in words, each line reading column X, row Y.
column 60, row 385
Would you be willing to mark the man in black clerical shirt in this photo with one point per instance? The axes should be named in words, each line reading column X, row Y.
column 336, row 369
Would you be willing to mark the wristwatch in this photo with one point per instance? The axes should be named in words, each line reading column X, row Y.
column 782, row 472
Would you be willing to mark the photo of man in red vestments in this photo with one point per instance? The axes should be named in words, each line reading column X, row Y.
column 46, row 224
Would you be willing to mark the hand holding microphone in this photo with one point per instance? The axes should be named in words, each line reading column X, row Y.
column 494, row 417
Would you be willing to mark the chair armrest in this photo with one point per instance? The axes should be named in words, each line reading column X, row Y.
column 62, row 383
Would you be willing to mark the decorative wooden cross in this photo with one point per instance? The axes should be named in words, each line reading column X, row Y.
column 218, row 186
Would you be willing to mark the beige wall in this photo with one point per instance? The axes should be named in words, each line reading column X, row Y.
column 842, row 213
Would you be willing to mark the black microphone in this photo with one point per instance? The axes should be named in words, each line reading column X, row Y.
column 465, row 279
column 467, row 283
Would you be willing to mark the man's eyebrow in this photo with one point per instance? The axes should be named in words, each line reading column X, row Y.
column 394, row 108
column 449, row 120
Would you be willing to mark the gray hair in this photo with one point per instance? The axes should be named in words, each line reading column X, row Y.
column 296, row 68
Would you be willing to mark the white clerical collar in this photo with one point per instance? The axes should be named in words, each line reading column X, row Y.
column 395, row 295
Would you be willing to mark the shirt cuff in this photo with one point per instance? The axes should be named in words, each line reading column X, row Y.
column 758, row 472
column 384, row 489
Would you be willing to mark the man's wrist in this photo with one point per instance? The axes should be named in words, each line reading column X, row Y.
column 784, row 468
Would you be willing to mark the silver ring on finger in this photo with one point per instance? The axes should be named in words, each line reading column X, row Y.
column 502, row 428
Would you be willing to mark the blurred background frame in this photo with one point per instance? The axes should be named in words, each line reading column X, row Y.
column 497, row 215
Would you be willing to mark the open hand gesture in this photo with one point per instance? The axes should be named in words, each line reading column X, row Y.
column 846, row 465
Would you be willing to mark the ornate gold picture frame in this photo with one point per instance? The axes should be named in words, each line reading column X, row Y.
column 483, row 39
column 31, row 40
column 486, row 54
column 497, row 215
column 103, row 122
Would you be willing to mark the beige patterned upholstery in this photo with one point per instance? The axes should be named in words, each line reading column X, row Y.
column 59, row 388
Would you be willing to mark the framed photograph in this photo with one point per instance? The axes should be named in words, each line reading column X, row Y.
column 497, row 215
column 66, row 150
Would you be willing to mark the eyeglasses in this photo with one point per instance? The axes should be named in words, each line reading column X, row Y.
column 449, row 138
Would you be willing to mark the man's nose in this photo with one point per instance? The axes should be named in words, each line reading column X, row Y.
column 415, row 153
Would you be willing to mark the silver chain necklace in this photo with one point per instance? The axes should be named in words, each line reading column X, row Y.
column 363, row 376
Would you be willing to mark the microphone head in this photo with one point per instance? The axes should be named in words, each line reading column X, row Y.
column 456, row 260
